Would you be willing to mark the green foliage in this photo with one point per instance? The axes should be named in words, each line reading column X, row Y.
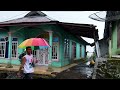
column 93, row 56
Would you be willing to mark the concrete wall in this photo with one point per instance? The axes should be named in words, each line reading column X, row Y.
column 83, row 51
column 114, row 39
column 103, row 44
column 114, row 48
column 3, row 33
column 6, row 61
column 63, row 34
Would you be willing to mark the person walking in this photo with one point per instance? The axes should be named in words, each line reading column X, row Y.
column 27, row 65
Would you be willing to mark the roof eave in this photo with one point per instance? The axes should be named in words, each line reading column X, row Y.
column 27, row 23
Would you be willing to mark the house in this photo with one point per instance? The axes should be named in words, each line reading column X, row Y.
column 64, row 38
column 111, row 39
column 110, row 44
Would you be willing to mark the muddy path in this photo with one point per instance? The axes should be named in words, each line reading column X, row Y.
column 81, row 71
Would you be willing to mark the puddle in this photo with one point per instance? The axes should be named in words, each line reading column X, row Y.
column 84, row 70
column 87, row 63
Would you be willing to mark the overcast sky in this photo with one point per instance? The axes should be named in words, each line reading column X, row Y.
column 63, row 16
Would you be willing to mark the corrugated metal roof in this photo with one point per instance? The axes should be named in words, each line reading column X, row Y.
column 85, row 30
column 28, row 19
column 33, row 16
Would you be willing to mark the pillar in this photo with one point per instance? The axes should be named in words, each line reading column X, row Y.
column 110, row 52
column 77, row 51
column 10, row 45
column 50, row 52
column 61, row 57
column 110, row 42
column 50, row 49
column 9, row 50
column 70, row 50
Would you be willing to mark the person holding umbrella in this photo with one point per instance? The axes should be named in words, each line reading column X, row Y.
column 27, row 64
column 27, row 61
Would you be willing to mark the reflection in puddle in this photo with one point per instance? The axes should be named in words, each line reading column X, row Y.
column 84, row 70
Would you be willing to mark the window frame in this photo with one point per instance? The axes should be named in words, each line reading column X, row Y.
column 58, row 46
column 4, row 48
column 74, row 49
column 16, row 48
column 66, row 48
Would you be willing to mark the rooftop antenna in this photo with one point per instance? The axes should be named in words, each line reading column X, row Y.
column 98, row 16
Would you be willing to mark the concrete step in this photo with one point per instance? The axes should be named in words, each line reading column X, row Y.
column 116, row 56
column 113, row 59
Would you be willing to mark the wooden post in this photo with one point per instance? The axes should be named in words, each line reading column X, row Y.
column 110, row 30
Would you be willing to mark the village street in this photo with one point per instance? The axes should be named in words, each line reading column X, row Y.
column 80, row 71
column 56, row 49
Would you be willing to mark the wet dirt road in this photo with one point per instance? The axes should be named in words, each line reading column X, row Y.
column 81, row 71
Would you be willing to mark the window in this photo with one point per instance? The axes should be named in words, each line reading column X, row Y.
column 55, row 48
column 4, row 44
column 2, row 49
column 66, row 48
column 14, row 47
column 2, row 39
column 80, row 50
column 73, row 50
column 34, row 52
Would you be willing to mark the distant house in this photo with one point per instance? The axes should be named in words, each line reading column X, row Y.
column 64, row 38
column 110, row 44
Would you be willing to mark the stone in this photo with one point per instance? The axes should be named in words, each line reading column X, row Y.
column 113, row 67
column 100, row 71
column 105, row 62
column 100, row 76
column 50, row 69
column 67, row 70
column 108, row 75
column 9, row 66
column 3, row 75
